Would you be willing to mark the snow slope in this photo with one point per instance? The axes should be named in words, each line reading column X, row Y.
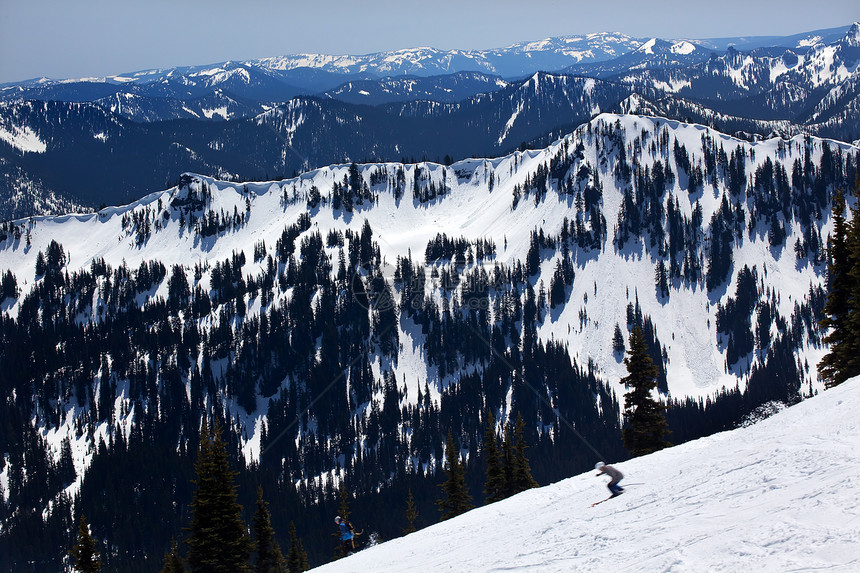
column 780, row 495
column 607, row 280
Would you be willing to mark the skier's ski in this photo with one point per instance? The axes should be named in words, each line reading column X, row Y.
column 607, row 499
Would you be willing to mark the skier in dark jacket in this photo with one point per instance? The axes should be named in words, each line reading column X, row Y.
column 613, row 473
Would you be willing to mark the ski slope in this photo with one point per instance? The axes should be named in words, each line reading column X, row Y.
column 779, row 495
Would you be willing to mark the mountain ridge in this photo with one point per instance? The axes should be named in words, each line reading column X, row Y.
column 336, row 320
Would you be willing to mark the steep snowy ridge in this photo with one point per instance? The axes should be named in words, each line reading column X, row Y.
column 815, row 66
column 607, row 278
column 780, row 495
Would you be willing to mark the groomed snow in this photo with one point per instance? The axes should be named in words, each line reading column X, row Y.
column 780, row 495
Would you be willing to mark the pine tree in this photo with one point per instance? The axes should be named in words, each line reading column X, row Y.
column 172, row 562
column 218, row 540
column 522, row 474
column 84, row 552
column 853, row 366
column 661, row 279
column 494, row 486
column 411, row 514
column 831, row 368
column 297, row 560
column 269, row 558
column 618, row 340
column 344, row 501
column 457, row 499
column 508, row 461
column 842, row 309
column 646, row 421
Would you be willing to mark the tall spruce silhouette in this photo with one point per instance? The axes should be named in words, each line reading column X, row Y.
column 645, row 416
column 456, row 498
column 218, row 540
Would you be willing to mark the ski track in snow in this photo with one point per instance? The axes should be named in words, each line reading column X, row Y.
column 780, row 495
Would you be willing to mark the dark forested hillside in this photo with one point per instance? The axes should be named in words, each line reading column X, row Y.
column 338, row 325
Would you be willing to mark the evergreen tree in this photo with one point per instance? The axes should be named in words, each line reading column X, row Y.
column 269, row 558
column 618, row 340
column 8, row 286
column 494, row 486
column 297, row 560
column 172, row 562
column 40, row 264
column 557, row 286
column 508, row 461
column 411, row 514
column 646, row 421
column 661, row 279
column 522, row 474
column 344, row 495
column 457, row 499
column 840, row 310
column 84, row 552
column 853, row 366
column 218, row 540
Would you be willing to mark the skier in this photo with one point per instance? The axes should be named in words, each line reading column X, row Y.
column 616, row 476
column 347, row 535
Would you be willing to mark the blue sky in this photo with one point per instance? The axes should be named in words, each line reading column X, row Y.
column 78, row 38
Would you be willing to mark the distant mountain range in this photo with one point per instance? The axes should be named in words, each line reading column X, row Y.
column 126, row 135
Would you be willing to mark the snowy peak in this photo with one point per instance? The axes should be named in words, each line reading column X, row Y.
column 507, row 212
column 852, row 37
column 656, row 46
column 647, row 47
column 682, row 47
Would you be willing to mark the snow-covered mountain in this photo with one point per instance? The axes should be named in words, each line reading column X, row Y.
column 516, row 60
column 338, row 319
column 613, row 269
column 58, row 142
column 799, row 41
column 322, row 72
column 275, row 128
column 215, row 105
column 449, row 88
column 279, row 78
column 653, row 53
column 779, row 495
column 789, row 77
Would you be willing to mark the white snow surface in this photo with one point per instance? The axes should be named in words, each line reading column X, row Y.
column 606, row 280
column 23, row 138
column 780, row 495
column 648, row 47
column 682, row 47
